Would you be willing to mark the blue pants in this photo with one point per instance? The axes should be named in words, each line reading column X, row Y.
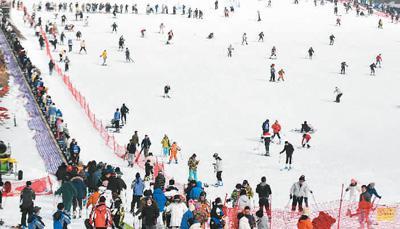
column 192, row 174
column 166, row 151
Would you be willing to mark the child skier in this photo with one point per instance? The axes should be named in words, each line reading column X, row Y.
column 378, row 60
column 306, row 139
column 354, row 191
column 273, row 53
column 272, row 70
column 280, row 75
column 174, row 152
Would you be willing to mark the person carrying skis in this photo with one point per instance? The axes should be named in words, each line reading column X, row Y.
column 101, row 217
column 60, row 218
column 289, row 153
column 372, row 67
column 378, row 60
column 338, row 93
column 116, row 119
column 230, row 49
column 167, row 88
column 272, row 70
column 310, row 52
column 276, row 128
column 104, row 56
column 114, row 27
column 299, row 192
column 124, row 112
column 192, row 163
column 343, row 67
column 165, row 145
column 261, row 36
column 306, row 139
column 264, row 194
column 174, row 152
column 145, row 145
column 244, row 39
column 280, row 75
column 273, row 53
column 331, row 39
column 218, row 169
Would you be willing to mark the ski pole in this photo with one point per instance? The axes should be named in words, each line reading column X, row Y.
column 316, row 204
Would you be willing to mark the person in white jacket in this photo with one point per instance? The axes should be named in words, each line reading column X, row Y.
column 177, row 208
column 354, row 191
column 246, row 220
column 299, row 192
column 243, row 200
column 218, row 169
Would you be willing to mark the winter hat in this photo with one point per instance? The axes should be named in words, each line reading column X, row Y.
column 171, row 182
column 215, row 155
column 259, row 213
column 118, row 171
column 102, row 199
column 60, row 206
column 137, row 175
column 217, row 201
column 302, row 178
column 263, row 179
column 203, row 193
column 28, row 183
column 238, row 186
column 147, row 193
column 353, row 181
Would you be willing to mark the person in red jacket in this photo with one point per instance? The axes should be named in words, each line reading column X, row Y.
column 276, row 128
column 306, row 139
column 101, row 217
column 378, row 60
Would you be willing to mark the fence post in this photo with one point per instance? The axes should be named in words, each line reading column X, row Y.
column 340, row 207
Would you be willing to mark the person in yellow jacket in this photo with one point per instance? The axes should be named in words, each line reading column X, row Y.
column 104, row 56
column 174, row 152
column 165, row 145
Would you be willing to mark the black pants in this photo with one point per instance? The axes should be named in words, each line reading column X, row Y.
column 26, row 211
column 135, row 202
column 264, row 203
column 276, row 134
column 76, row 203
column 116, row 123
column 123, row 117
column 289, row 159
column 219, row 175
column 83, row 48
column 266, row 143
column 298, row 201
column 272, row 77
column 338, row 97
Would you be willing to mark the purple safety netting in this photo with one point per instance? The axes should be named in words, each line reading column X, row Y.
column 45, row 144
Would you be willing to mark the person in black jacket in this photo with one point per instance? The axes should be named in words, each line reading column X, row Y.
column 264, row 191
column 216, row 214
column 130, row 152
column 305, row 128
column 150, row 213
column 61, row 172
column 289, row 153
column 146, row 143
column 115, row 183
column 27, row 197
column 124, row 111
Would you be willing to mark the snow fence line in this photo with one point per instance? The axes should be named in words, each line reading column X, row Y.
column 42, row 186
column 382, row 216
column 45, row 142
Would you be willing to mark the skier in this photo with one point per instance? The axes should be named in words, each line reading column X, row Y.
column 114, row 27
column 331, row 39
column 380, row 23
column 145, row 145
column 267, row 140
column 51, row 66
column 265, row 126
column 306, row 139
column 124, row 112
column 165, row 145
column 27, row 198
column 372, row 67
column 264, row 195
column 258, row 16
column 167, row 88
column 273, row 53
column 174, row 152
column 218, row 169
column 170, row 36
column 272, row 70
column 335, row 10
column 338, row 93
column 276, row 127
column 162, row 26
column 216, row 4
column 289, row 153
column 305, row 128
column 338, row 22
column 244, row 39
column 70, row 45
column 310, row 52
column 343, row 67
column 261, row 36
column 269, row 4
column 372, row 191
column 78, row 35
column 354, row 191
column 104, row 56
column 230, row 49
column 280, row 75
column 299, row 192
column 83, row 46
column 66, row 62
column 192, row 163
column 116, row 119
column 142, row 33
column 378, row 60
column 210, row 36
column 121, row 42
column 41, row 42
column 128, row 55
column 131, row 150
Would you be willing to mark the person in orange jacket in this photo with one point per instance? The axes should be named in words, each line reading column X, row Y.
column 305, row 140
column 174, row 152
column 101, row 217
column 93, row 199
column 305, row 221
column 276, row 127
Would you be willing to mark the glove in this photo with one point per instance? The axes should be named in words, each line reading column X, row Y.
column 291, row 197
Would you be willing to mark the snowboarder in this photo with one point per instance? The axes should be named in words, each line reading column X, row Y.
column 338, row 93
column 310, row 52
column 218, row 169
column 299, row 192
column 343, row 67
column 114, row 27
column 165, row 145
column 244, row 39
column 145, row 145
column 104, row 56
column 331, row 39
column 280, row 75
column 276, row 127
column 167, row 88
column 124, row 112
column 192, row 163
column 372, row 67
column 116, row 119
column 174, row 152
column 306, row 139
column 83, row 46
column 261, row 36
column 230, row 49
column 273, row 53
column 289, row 153
column 264, row 194
column 170, row 36
column 128, row 55
column 378, row 60
column 272, row 70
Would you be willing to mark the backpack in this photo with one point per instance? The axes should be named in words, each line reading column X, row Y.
column 101, row 216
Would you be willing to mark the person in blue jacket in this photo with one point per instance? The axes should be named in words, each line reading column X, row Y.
column 138, row 188
column 160, row 199
column 117, row 118
column 60, row 218
column 265, row 126
column 372, row 191
column 35, row 221
column 188, row 217
column 196, row 191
